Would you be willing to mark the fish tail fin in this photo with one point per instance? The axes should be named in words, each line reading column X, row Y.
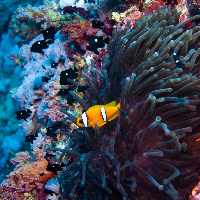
column 123, row 113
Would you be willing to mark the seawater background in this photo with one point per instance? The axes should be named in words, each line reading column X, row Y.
column 12, row 137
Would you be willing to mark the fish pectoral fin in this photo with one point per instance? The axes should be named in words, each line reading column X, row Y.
column 99, row 123
column 113, row 117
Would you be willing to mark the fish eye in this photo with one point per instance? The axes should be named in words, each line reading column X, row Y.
column 80, row 121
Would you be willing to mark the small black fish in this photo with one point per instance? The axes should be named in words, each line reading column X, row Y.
column 37, row 100
column 51, row 131
column 23, row 114
column 74, row 9
column 63, row 92
column 54, row 65
column 70, row 99
column 106, row 40
column 30, row 138
column 49, row 33
column 97, row 24
column 82, row 88
column 49, row 192
column 46, row 79
column 41, row 174
column 50, row 155
column 40, row 45
column 54, row 167
column 95, row 43
column 68, row 74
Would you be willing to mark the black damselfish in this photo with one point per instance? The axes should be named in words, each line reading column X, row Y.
column 51, row 131
column 82, row 88
column 49, row 192
column 30, row 138
column 97, row 24
column 50, row 155
column 23, row 114
column 68, row 74
column 95, row 43
column 70, row 100
column 49, row 33
column 63, row 92
column 54, row 167
column 47, row 78
column 39, row 45
column 54, row 65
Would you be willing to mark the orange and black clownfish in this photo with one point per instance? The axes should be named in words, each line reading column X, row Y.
column 99, row 113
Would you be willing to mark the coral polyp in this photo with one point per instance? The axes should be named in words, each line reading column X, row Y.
column 152, row 70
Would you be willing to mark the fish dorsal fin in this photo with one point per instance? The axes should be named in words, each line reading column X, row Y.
column 97, row 106
column 111, row 104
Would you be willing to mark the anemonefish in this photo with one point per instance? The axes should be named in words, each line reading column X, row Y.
column 99, row 113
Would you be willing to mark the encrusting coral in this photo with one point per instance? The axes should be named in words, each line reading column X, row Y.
column 27, row 180
column 153, row 70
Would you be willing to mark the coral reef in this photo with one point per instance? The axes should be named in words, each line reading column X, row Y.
column 7, row 8
column 76, row 30
column 27, row 180
column 147, row 60
column 152, row 71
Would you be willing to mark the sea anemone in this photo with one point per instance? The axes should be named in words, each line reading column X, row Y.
column 153, row 70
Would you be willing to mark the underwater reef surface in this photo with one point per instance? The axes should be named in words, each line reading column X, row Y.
column 8, row 7
column 83, row 54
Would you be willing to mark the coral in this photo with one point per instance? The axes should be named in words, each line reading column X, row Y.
column 76, row 30
column 132, row 14
column 73, row 3
column 152, row 70
column 195, row 193
column 20, row 159
column 7, row 8
column 36, row 66
column 29, row 21
column 53, row 185
column 27, row 180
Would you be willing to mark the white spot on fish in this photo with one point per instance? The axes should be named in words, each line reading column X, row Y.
column 103, row 113
column 84, row 118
